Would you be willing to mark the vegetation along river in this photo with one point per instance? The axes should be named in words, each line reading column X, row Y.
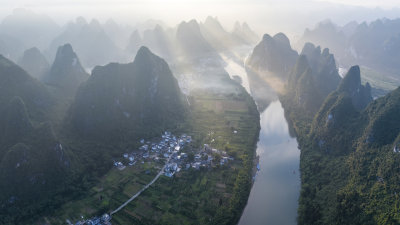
column 274, row 196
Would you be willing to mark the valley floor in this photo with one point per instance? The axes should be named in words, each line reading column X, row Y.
column 227, row 121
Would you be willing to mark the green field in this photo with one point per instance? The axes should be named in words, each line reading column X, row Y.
column 382, row 83
column 206, row 196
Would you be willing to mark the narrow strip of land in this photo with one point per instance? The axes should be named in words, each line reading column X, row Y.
column 143, row 189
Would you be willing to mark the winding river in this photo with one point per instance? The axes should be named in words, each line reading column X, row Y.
column 274, row 196
column 275, row 192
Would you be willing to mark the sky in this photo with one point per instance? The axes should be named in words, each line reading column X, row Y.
column 290, row 16
column 369, row 3
column 58, row 3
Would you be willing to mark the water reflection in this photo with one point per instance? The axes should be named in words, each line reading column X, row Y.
column 274, row 195
column 234, row 68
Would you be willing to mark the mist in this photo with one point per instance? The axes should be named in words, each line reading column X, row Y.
column 199, row 112
column 272, row 16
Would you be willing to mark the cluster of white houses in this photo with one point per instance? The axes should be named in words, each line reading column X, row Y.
column 170, row 148
column 105, row 219
column 167, row 147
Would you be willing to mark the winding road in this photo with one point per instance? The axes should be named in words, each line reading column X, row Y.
column 143, row 189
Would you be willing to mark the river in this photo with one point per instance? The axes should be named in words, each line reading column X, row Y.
column 274, row 196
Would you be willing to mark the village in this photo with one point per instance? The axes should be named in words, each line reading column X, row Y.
column 177, row 154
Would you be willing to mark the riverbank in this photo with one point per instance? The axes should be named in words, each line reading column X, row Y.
column 275, row 191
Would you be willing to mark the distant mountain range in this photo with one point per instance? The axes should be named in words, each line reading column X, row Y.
column 90, row 41
column 29, row 29
column 306, row 79
column 35, row 63
column 222, row 40
column 100, row 43
column 375, row 44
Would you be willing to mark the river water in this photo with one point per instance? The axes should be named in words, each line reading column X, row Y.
column 274, row 196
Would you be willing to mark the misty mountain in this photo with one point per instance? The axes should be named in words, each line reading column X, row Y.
column 119, row 34
column 222, row 40
column 14, row 81
column 312, row 78
column 90, row 41
column 327, row 35
column 34, row 62
column 121, row 100
column 134, row 42
column 29, row 28
column 268, row 67
column 324, row 68
column 66, row 71
column 192, row 43
column 273, row 54
column 216, row 35
column 374, row 44
column 242, row 33
column 150, row 24
column 11, row 47
column 159, row 40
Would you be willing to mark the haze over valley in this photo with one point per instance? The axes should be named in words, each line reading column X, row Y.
column 199, row 112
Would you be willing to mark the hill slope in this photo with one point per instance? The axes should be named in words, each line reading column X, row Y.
column 119, row 100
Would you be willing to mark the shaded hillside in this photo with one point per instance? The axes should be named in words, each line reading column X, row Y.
column 121, row 100
column 34, row 62
column 324, row 68
column 268, row 68
column 349, row 156
column 66, row 73
column 14, row 81
column 273, row 54
column 354, row 177
column 312, row 78
column 33, row 164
